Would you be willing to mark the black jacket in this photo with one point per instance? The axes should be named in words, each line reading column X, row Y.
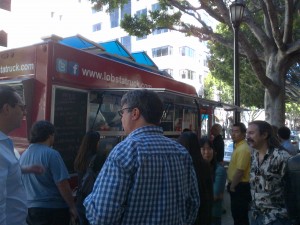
column 218, row 143
column 292, row 188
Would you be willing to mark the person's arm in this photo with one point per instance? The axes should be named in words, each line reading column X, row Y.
column 237, row 177
column 193, row 202
column 61, row 177
column 3, row 178
column 219, row 183
column 66, row 192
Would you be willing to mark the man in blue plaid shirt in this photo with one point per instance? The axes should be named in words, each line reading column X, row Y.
column 148, row 179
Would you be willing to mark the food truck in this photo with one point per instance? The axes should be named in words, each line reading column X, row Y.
column 77, row 85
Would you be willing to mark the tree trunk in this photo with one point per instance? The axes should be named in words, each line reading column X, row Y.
column 275, row 97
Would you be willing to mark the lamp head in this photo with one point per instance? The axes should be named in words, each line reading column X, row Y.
column 236, row 10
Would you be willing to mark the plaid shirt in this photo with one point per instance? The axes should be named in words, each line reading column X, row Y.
column 266, row 182
column 147, row 179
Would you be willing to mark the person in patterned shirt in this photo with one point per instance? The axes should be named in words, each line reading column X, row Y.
column 147, row 178
column 268, row 165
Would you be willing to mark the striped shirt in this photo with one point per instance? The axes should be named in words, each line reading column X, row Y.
column 148, row 179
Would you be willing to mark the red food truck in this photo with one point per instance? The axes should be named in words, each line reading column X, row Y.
column 78, row 84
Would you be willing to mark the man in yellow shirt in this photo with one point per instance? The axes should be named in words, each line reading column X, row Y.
column 238, row 176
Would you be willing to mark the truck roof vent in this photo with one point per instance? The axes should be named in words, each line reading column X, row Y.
column 52, row 37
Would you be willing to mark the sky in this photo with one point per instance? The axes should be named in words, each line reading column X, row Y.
column 29, row 20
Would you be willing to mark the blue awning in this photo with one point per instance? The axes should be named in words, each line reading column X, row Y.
column 82, row 43
column 143, row 58
column 116, row 48
column 113, row 50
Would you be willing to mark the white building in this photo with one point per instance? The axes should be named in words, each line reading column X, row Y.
column 30, row 20
column 185, row 58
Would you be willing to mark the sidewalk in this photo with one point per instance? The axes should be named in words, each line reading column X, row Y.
column 226, row 218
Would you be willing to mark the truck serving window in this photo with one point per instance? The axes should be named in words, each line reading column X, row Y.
column 103, row 115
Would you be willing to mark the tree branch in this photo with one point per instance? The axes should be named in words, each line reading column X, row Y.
column 256, row 29
column 293, row 48
column 219, row 13
column 288, row 21
column 272, row 14
column 267, row 25
column 257, row 66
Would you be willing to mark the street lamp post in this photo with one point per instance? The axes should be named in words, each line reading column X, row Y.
column 236, row 10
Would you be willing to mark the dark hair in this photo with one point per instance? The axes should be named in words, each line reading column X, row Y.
column 204, row 141
column 190, row 141
column 7, row 95
column 40, row 131
column 242, row 127
column 284, row 133
column 213, row 162
column 87, row 149
column 186, row 130
column 148, row 102
column 265, row 127
column 275, row 129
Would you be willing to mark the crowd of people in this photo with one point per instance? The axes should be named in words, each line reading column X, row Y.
column 147, row 178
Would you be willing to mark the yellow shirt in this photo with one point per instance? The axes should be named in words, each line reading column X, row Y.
column 240, row 159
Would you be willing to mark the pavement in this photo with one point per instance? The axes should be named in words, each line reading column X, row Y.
column 226, row 217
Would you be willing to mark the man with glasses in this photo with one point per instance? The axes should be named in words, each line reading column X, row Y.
column 13, row 209
column 267, row 175
column 147, row 178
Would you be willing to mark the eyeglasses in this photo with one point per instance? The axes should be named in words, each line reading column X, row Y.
column 121, row 112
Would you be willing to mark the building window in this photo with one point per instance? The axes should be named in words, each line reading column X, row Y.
column 200, row 79
column 162, row 51
column 169, row 71
column 141, row 12
column 205, row 62
column 96, row 27
column 187, row 51
column 160, row 31
column 126, row 9
column 155, row 7
column 126, row 42
column 187, row 74
column 114, row 18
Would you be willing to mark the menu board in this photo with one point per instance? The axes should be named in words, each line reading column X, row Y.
column 70, row 113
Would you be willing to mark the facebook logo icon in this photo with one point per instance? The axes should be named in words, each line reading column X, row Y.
column 73, row 68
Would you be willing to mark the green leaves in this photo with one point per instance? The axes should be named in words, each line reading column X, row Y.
column 221, row 67
column 138, row 25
